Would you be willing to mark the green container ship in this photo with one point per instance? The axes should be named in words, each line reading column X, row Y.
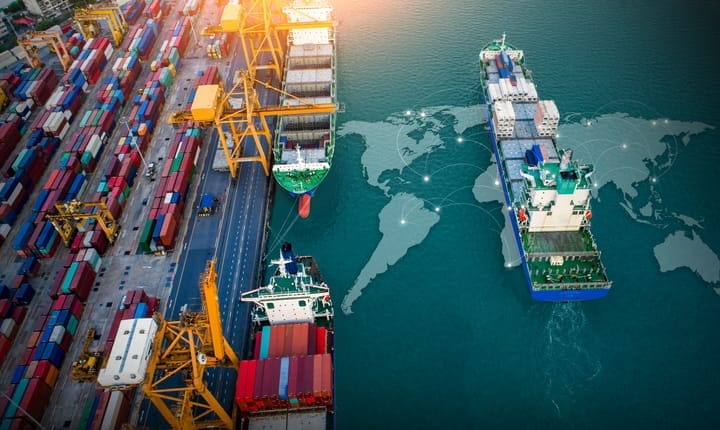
column 305, row 144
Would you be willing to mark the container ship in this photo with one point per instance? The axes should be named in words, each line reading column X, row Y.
column 304, row 144
column 288, row 382
column 547, row 193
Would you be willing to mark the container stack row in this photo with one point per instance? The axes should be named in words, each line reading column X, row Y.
column 141, row 39
column 37, row 372
column 292, row 369
column 132, row 10
column 291, row 340
column 166, row 212
column 285, row 383
column 13, row 302
column 173, row 46
column 93, row 58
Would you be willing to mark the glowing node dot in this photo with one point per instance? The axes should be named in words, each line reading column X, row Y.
column 654, row 123
column 407, row 112
column 422, row 114
column 426, row 178
column 508, row 265
column 459, row 139
column 595, row 185
column 437, row 209
column 624, row 145
column 509, row 208
column 665, row 121
column 588, row 123
column 557, row 135
column 402, row 221
column 497, row 182
column 654, row 179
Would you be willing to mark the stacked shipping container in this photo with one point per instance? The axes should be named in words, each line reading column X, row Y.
column 292, row 369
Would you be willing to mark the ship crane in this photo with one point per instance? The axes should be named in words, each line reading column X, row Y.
column 263, row 25
column 240, row 111
column 29, row 41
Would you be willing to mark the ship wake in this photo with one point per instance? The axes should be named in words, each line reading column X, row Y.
column 569, row 365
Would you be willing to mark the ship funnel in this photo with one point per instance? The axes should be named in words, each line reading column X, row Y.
column 289, row 257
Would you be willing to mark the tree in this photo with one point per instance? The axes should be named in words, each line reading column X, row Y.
column 15, row 6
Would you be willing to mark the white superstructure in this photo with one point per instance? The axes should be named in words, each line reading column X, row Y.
column 129, row 356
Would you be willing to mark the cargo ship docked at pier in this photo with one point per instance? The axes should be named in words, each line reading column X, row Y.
column 305, row 144
column 547, row 193
column 289, row 382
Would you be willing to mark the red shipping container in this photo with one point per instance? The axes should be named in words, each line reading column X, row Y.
column 66, row 342
column 36, row 398
column 168, row 232
column 258, row 380
column 5, row 344
column 18, row 314
column 40, row 323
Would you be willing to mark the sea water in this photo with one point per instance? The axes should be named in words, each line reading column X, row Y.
column 433, row 329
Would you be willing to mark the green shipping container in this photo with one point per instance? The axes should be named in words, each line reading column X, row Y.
column 72, row 325
column 85, row 416
column 146, row 235
column 65, row 287
column 176, row 163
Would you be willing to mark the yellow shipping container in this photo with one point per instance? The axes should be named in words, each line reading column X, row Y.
column 172, row 70
column 230, row 20
column 3, row 99
column 204, row 103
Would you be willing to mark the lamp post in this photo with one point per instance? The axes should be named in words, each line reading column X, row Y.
column 132, row 142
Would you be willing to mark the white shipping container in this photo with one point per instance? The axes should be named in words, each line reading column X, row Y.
column 63, row 130
column 7, row 327
column 108, row 52
column 112, row 411
column 87, row 239
column 168, row 198
column 15, row 194
column 54, row 98
column 4, row 230
column 164, row 45
column 118, row 65
column 57, row 334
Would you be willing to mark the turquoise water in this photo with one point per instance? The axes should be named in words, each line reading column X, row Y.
column 447, row 336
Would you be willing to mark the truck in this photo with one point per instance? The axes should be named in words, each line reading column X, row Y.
column 208, row 205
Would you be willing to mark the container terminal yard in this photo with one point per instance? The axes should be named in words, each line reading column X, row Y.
column 106, row 173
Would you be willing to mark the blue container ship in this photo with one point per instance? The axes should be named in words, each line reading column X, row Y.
column 547, row 193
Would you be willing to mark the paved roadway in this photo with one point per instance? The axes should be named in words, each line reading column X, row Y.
column 235, row 236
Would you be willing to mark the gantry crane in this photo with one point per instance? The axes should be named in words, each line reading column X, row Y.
column 72, row 212
column 85, row 368
column 246, row 119
column 88, row 21
column 183, row 350
column 263, row 25
column 29, row 41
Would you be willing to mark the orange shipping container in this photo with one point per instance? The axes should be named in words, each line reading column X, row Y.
column 34, row 339
column 52, row 376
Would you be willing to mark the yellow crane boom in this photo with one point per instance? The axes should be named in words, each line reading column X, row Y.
column 182, row 350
